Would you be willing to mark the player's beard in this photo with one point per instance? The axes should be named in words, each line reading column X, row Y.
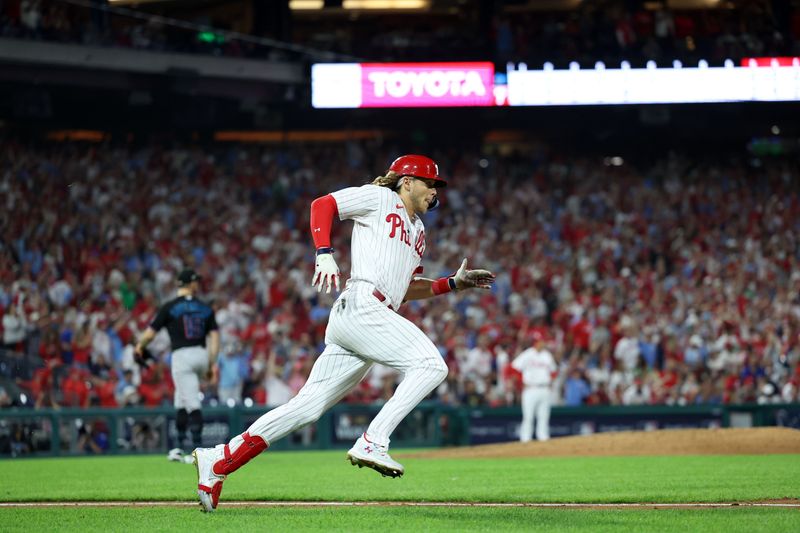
column 424, row 204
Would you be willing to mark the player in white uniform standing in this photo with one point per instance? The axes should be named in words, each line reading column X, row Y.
column 388, row 243
column 537, row 367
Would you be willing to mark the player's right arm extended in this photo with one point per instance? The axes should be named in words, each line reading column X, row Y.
column 326, row 271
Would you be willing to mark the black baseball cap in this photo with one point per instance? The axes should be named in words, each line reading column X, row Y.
column 187, row 276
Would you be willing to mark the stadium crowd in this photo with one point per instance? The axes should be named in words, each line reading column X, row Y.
column 676, row 282
column 593, row 31
column 105, row 25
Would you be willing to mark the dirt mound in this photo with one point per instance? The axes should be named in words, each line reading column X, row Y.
column 723, row 441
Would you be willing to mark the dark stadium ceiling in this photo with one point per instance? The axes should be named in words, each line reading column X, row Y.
column 337, row 7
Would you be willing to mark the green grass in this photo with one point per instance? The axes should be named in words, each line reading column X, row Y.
column 327, row 476
column 400, row 519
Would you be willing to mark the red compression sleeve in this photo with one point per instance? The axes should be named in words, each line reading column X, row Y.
column 323, row 210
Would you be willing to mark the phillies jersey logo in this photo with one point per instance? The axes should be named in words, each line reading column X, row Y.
column 398, row 229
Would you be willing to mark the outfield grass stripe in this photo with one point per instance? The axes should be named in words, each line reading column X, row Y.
column 407, row 504
column 324, row 477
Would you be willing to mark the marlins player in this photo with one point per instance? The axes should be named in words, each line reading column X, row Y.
column 538, row 368
column 188, row 321
column 364, row 328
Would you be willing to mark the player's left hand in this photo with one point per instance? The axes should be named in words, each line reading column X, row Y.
column 326, row 272
column 468, row 279
column 142, row 356
column 213, row 374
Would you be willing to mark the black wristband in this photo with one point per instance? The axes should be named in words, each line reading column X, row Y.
column 452, row 283
column 327, row 250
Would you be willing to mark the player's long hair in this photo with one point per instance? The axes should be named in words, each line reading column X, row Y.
column 391, row 179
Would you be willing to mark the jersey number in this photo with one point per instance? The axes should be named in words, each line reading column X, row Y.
column 193, row 326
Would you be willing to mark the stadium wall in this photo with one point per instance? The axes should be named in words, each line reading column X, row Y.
column 147, row 430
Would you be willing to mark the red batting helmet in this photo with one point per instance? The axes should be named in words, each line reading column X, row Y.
column 418, row 166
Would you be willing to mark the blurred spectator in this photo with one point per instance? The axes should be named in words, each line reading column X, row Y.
column 638, row 393
column 5, row 398
column 790, row 393
column 575, row 389
column 104, row 390
column 13, row 329
column 81, row 345
column 125, row 390
column 470, row 396
column 21, row 441
column 277, row 391
column 476, row 365
column 74, row 389
column 696, row 354
column 93, row 437
column 156, row 385
column 627, row 349
column 144, row 437
column 233, row 369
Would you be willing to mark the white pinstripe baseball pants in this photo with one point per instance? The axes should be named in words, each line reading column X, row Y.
column 361, row 331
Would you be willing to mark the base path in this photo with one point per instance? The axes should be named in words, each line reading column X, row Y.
column 704, row 505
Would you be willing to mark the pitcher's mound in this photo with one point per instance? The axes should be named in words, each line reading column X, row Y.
column 723, row 441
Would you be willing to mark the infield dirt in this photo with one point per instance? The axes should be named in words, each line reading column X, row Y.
column 722, row 441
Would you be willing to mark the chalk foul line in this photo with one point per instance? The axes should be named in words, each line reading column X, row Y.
column 585, row 505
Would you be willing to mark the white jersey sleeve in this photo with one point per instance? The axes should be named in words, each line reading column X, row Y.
column 519, row 362
column 354, row 203
column 552, row 362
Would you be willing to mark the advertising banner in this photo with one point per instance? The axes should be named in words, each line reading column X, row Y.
column 486, row 427
column 651, row 85
column 353, row 85
column 472, row 84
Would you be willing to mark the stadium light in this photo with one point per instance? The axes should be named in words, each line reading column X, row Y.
column 210, row 37
column 299, row 5
column 385, row 4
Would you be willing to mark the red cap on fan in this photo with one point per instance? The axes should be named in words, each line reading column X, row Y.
column 418, row 166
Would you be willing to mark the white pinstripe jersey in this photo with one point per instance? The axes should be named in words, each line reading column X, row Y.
column 386, row 247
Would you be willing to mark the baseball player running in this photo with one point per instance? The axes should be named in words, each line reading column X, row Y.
column 364, row 328
column 537, row 367
column 188, row 321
